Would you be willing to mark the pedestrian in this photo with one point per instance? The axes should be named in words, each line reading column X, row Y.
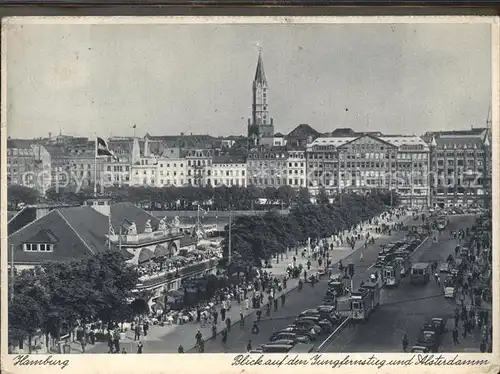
column 223, row 313
column 110, row 342
column 180, row 349
column 255, row 328
column 139, row 347
column 247, row 303
column 405, row 343
column 361, row 256
column 137, row 332
column 224, row 336
column 145, row 327
column 275, row 302
column 455, row 336
column 214, row 331
column 242, row 318
column 228, row 324
column 436, row 277
column 116, row 340
column 198, row 337
column 283, row 297
column 259, row 315
column 249, row 346
column 215, row 315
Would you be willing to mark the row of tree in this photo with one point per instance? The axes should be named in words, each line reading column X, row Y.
column 168, row 198
column 258, row 238
column 51, row 298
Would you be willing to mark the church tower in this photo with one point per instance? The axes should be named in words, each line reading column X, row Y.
column 260, row 124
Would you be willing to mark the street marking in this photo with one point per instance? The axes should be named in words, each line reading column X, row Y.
column 333, row 333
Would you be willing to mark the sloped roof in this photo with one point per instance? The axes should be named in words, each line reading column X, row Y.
column 67, row 239
column 21, row 219
column 303, row 130
column 90, row 225
column 260, row 75
column 19, row 143
column 450, row 141
column 126, row 213
column 228, row 159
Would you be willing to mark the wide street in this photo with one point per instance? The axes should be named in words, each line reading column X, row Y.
column 298, row 301
column 406, row 308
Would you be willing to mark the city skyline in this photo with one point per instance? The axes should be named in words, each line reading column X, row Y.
column 381, row 77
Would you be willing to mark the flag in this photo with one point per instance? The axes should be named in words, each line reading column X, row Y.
column 102, row 149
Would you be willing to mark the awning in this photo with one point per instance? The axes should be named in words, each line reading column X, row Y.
column 126, row 254
column 145, row 255
column 160, row 251
column 178, row 258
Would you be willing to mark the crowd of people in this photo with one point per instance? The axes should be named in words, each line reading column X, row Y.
column 159, row 266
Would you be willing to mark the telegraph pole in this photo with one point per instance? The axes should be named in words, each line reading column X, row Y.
column 229, row 242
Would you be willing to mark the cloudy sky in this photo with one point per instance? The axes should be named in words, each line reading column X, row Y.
column 167, row 79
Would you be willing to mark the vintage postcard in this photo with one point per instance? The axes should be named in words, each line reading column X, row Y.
column 291, row 194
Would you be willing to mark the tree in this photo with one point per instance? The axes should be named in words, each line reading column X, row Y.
column 58, row 294
column 21, row 194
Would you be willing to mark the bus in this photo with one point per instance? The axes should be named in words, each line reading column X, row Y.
column 420, row 273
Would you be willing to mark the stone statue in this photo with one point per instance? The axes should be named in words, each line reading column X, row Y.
column 162, row 226
column 147, row 227
column 132, row 230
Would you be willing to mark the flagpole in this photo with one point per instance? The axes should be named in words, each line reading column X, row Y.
column 109, row 229
column 95, row 168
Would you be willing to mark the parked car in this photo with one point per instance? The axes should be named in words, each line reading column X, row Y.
column 440, row 324
column 309, row 324
column 291, row 335
column 283, row 342
column 429, row 339
column 326, row 326
column 420, row 349
column 301, row 330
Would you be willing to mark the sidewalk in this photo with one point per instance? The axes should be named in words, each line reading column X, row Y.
column 166, row 339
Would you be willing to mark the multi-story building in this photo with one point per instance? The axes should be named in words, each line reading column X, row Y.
column 460, row 168
column 296, row 168
column 368, row 162
column 23, row 165
column 410, row 173
column 267, row 166
column 228, row 171
column 199, row 163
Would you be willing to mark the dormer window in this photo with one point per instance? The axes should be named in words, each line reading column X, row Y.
column 38, row 247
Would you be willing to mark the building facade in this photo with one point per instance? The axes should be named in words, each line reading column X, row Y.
column 460, row 168
column 367, row 162
column 228, row 171
column 267, row 166
column 22, row 164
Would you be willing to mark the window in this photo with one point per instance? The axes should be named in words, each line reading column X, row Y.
column 35, row 247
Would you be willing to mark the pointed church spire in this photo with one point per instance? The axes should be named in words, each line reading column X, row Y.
column 260, row 76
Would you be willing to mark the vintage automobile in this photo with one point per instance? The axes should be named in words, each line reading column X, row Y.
column 326, row 326
column 429, row 339
column 444, row 267
column 289, row 335
column 440, row 324
column 308, row 324
column 301, row 330
column 283, row 342
column 420, row 349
